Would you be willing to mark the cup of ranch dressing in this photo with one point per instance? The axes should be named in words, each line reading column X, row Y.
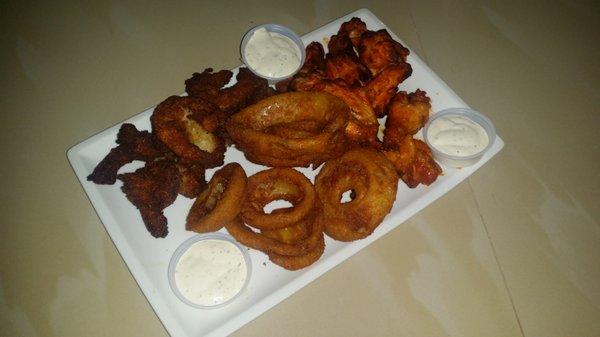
column 272, row 51
column 459, row 137
column 209, row 271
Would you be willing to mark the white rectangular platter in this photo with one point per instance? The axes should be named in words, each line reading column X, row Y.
column 148, row 258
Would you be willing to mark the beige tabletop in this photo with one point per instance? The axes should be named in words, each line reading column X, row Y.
column 512, row 251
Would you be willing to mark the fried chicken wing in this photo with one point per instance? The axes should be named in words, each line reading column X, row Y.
column 311, row 73
column 151, row 189
column 132, row 145
column 354, row 28
column 407, row 114
column 207, row 82
column 340, row 44
column 377, row 50
column 413, row 161
column 363, row 125
column 248, row 89
column 346, row 67
column 381, row 88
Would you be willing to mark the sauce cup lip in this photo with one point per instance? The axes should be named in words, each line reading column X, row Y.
column 273, row 27
column 473, row 116
column 185, row 246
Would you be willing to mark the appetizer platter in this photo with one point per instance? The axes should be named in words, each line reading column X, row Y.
column 228, row 199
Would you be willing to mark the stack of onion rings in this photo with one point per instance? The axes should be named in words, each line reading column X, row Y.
column 291, row 129
column 372, row 181
column 292, row 237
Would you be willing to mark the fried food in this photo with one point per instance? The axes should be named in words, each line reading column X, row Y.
column 192, row 180
column 151, row 189
column 278, row 184
column 346, row 67
column 299, row 261
column 354, row 28
column 377, row 50
column 413, row 161
column 407, row 114
column 270, row 244
column 207, row 83
column 292, row 237
column 372, row 181
column 220, row 202
column 175, row 123
column 328, row 116
column 340, row 44
column 132, row 145
column 380, row 90
column 311, row 73
column 247, row 90
column 363, row 125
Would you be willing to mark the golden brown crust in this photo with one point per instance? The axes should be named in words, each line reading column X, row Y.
column 220, row 202
column 278, row 184
column 249, row 129
column 373, row 181
column 174, row 121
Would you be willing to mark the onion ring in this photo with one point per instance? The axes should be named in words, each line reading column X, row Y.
column 220, row 202
column 175, row 123
column 265, row 131
column 301, row 261
column 246, row 236
column 373, row 182
column 277, row 184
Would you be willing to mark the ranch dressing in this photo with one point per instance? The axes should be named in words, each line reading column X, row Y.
column 456, row 135
column 272, row 54
column 211, row 272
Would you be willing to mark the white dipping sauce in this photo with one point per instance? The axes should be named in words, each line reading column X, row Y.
column 457, row 136
column 272, row 54
column 211, row 272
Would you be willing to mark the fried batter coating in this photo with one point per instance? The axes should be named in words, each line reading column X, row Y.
column 363, row 126
column 207, row 82
column 413, row 161
column 407, row 114
column 311, row 73
column 340, row 44
column 378, row 50
column 174, row 122
column 192, row 180
column 151, row 189
column 354, row 28
column 381, row 88
column 132, row 145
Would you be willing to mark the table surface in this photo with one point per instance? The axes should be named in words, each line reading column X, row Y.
column 512, row 251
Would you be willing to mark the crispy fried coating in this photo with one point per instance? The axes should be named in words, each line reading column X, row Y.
column 413, row 161
column 381, row 88
column 192, row 180
column 132, row 145
column 175, row 123
column 354, row 29
column 407, row 114
column 207, row 82
column 311, row 73
column 315, row 58
column 151, row 189
column 340, row 44
column 377, row 50
column 346, row 67
column 363, row 126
